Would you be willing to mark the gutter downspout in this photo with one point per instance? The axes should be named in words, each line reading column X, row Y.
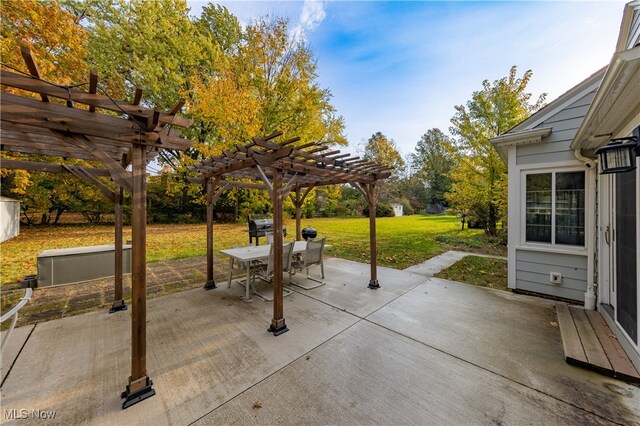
column 590, row 294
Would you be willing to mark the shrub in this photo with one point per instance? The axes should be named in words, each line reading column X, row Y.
column 382, row 210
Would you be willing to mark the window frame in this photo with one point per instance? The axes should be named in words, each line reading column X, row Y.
column 523, row 209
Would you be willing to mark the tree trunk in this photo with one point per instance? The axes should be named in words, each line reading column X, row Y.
column 492, row 227
column 45, row 219
column 58, row 214
column 26, row 216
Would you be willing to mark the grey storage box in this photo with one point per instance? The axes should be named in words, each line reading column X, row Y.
column 77, row 264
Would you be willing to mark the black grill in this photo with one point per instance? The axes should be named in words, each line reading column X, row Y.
column 258, row 228
column 309, row 233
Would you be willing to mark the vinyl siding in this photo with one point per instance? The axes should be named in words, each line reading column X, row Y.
column 634, row 33
column 533, row 269
column 556, row 147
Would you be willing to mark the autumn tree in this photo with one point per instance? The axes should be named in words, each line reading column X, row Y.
column 58, row 44
column 432, row 162
column 53, row 34
column 383, row 150
column 492, row 111
column 380, row 149
column 265, row 82
column 146, row 44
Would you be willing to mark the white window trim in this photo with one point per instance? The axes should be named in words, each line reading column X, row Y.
column 516, row 212
column 522, row 244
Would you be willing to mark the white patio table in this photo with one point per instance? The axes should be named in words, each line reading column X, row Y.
column 251, row 253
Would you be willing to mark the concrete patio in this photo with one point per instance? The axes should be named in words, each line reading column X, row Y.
column 420, row 350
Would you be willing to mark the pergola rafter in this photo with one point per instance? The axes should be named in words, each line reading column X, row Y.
column 40, row 125
column 287, row 171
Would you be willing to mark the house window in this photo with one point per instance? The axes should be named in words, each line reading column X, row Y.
column 555, row 208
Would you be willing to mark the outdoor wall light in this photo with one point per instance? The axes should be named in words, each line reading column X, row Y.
column 619, row 155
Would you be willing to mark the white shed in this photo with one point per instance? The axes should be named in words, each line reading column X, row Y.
column 398, row 209
column 9, row 218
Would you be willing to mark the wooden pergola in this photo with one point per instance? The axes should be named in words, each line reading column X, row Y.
column 133, row 137
column 287, row 170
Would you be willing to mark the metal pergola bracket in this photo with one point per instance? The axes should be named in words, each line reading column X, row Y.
column 278, row 330
column 210, row 285
column 132, row 397
column 117, row 306
column 373, row 285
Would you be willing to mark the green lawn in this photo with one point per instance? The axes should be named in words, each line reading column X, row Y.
column 402, row 241
column 476, row 270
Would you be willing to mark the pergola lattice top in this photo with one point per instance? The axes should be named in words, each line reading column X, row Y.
column 306, row 165
column 37, row 126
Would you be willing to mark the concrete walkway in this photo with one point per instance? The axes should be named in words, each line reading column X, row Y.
column 418, row 351
column 436, row 264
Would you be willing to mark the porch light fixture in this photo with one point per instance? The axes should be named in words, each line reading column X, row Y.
column 619, row 155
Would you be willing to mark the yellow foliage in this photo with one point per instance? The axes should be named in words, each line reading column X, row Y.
column 57, row 42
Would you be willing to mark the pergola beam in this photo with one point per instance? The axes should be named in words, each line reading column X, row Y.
column 37, row 166
column 30, row 112
column 41, row 87
column 32, row 67
column 93, row 87
column 82, row 174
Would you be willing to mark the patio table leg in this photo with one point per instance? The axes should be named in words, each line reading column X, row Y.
column 230, row 272
column 247, row 295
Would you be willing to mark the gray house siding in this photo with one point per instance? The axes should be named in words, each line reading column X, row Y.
column 533, row 269
column 564, row 126
column 634, row 33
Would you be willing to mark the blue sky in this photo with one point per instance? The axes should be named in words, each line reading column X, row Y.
column 401, row 67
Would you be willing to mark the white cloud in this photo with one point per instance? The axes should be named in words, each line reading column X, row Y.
column 312, row 14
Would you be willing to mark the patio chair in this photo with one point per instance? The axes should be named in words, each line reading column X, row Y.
column 265, row 271
column 312, row 256
column 238, row 267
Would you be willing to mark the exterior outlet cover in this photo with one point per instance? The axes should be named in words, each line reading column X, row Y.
column 555, row 277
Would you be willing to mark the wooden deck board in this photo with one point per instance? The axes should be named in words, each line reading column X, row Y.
column 588, row 342
column 573, row 350
column 619, row 360
column 592, row 347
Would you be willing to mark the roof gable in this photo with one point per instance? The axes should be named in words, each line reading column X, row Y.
column 564, row 101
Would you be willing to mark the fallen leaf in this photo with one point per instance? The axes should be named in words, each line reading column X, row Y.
column 553, row 323
column 257, row 405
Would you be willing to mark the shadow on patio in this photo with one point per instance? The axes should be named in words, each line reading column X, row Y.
column 417, row 350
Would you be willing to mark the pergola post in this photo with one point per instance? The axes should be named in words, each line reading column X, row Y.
column 297, row 202
column 372, row 200
column 139, row 387
column 278, row 325
column 35, row 126
column 210, row 187
column 118, row 298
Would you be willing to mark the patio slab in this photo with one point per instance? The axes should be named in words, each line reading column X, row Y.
column 370, row 375
column 203, row 349
column 347, row 281
column 14, row 346
column 513, row 336
column 407, row 353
